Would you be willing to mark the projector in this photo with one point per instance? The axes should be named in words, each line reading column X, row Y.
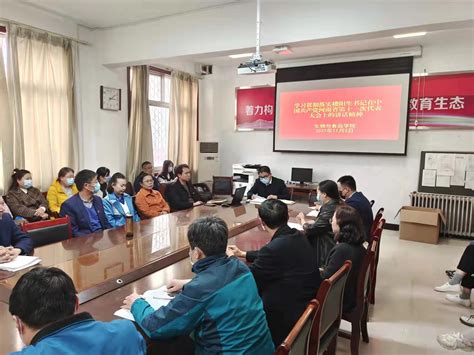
column 256, row 66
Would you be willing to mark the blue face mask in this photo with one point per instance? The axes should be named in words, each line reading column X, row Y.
column 107, row 179
column 265, row 180
column 27, row 183
column 69, row 181
column 96, row 188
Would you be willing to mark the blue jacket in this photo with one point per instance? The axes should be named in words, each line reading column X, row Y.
column 362, row 205
column 80, row 221
column 11, row 235
column 114, row 210
column 220, row 304
column 80, row 334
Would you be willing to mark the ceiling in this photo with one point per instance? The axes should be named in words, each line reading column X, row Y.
column 110, row 13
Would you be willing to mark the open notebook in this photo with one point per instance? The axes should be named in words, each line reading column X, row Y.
column 156, row 298
column 21, row 262
column 258, row 200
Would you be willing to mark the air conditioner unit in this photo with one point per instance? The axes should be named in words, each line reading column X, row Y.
column 208, row 161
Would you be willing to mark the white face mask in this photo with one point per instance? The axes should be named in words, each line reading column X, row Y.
column 19, row 327
column 170, row 169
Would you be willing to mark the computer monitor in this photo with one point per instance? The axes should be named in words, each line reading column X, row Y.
column 302, row 175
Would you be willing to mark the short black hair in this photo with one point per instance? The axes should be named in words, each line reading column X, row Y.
column 84, row 177
column 113, row 180
column 348, row 181
column 330, row 188
column 17, row 175
column 264, row 169
column 103, row 171
column 43, row 296
column 178, row 170
column 146, row 163
column 273, row 213
column 210, row 234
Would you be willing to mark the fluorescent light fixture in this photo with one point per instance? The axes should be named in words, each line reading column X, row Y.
column 420, row 74
column 241, row 55
column 413, row 34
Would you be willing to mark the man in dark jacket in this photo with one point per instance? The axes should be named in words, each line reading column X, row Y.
column 181, row 194
column 285, row 270
column 353, row 198
column 268, row 186
column 85, row 210
column 147, row 168
column 13, row 241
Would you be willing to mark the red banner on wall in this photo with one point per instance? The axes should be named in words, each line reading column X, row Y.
column 255, row 108
column 442, row 101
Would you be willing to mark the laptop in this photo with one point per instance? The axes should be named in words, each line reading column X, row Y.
column 237, row 199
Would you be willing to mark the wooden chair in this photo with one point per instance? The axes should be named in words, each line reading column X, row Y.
column 222, row 185
column 296, row 343
column 358, row 316
column 375, row 223
column 163, row 189
column 325, row 327
column 372, row 202
column 48, row 232
column 129, row 189
column 376, row 237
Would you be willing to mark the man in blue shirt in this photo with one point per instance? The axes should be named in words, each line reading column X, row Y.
column 220, row 305
column 84, row 209
column 13, row 241
column 348, row 191
column 43, row 304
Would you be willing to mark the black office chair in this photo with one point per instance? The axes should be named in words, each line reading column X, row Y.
column 222, row 185
column 203, row 191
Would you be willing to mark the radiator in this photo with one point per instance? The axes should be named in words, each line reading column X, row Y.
column 458, row 211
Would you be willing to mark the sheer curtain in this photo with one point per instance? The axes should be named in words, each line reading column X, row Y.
column 183, row 120
column 43, row 66
column 140, row 145
column 6, row 128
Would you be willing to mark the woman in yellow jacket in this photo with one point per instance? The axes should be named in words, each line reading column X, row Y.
column 61, row 189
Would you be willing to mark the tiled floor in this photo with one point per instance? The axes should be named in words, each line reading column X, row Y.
column 408, row 314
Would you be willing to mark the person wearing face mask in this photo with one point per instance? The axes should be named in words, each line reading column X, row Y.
column 44, row 306
column 147, row 168
column 167, row 174
column 103, row 177
column 13, row 241
column 85, row 210
column 149, row 202
column 349, row 235
column 285, row 270
column 61, row 189
column 25, row 200
column 319, row 231
column 220, row 304
column 268, row 186
column 352, row 197
column 118, row 204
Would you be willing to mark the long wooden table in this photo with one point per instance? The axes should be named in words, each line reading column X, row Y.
column 157, row 253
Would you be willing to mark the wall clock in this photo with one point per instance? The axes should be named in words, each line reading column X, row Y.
column 110, row 99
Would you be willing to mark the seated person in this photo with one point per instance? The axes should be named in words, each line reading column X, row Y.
column 25, row 200
column 462, row 281
column 285, row 270
column 85, row 209
column 118, row 204
column 181, row 194
column 44, row 303
column 319, row 231
column 147, row 168
column 352, row 197
column 61, row 189
column 268, row 186
column 13, row 241
column 5, row 207
column 103, row 177
column 167, row 174
column 149, row 202
column 349, row 235
column 220, row 304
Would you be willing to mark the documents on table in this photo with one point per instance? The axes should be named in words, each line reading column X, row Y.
column 295, row 226
column 156, row 298
column 259, row 199
column 217, row 201
column 287, row 202
column 20, row 262
column 313, row 213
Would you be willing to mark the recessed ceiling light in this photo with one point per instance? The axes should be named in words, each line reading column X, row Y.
column 241, row 55
column 413, row 34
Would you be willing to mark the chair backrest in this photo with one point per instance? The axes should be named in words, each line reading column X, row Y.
column 129, row 189
column 47, row 232
column 222, row 185
column 163, row 189
column 203, row 191
column 328, row 317
column 296, row 343
column 372, row 202
column 375, row 223
column 363, row 281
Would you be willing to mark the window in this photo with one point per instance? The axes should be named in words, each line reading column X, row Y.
column 159, row 92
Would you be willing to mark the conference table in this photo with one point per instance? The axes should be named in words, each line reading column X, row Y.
column 107, row 266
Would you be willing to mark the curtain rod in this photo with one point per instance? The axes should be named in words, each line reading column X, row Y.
column 4, row 20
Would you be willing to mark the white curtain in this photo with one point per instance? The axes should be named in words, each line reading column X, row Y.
column 183, row 120
column 6, row 128
column 43, row 102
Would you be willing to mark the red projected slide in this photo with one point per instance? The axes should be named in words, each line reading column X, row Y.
column 360, row 113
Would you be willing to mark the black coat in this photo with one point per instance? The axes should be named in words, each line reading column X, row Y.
column 178, row 198
column 277, row 187
column 287, row 277
column 340, row 253
column 362, row 205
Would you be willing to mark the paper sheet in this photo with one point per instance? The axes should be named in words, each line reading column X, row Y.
column 313, row 213
column 459, row 170
column 257, row 200
column 20, row 262
column 428, row 178
column 431, row 161
column 469, row 162
column 469, row 180
column 446, row 164
column 443, row 181
column 296, row 226
column 287, row 202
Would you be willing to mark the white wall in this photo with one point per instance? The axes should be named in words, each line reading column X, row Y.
column 387, row 179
